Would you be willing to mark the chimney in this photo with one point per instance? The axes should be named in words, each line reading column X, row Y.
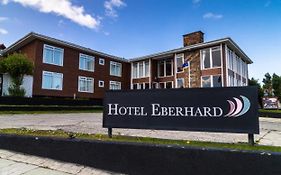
column 193, row 38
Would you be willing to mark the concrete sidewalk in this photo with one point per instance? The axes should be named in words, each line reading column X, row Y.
column 12, row 163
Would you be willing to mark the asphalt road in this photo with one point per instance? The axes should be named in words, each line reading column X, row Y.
column 92, row 123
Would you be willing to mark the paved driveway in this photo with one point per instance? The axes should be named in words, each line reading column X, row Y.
column 92, row 123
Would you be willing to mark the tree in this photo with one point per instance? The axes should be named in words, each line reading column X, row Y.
column 267, row 85
column 255, row 82
column 16, row 65
column 276, row 85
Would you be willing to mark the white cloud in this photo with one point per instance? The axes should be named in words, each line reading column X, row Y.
column 3, row 18
column 3, row 31
column 211, row 15
column 63, row 8
column 110, row 6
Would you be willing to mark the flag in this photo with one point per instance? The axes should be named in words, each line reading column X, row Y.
column 185, row 65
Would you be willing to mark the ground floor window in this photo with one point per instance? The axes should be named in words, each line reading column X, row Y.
column 141, row 86
column 211, row 81
column 86, row 84
column 180, row 82
column 163, row 85
column 115, row 85
column 52, row 80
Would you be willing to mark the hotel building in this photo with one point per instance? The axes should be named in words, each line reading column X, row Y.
column 63, row 69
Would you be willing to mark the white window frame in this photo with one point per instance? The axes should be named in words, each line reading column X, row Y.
column 101, row 61
column 176, row 62
column 165, row 67
column 143, row 69
column 111, row 71
column 211, row 58
column 182, row 81
column 115, row 82
column 53, row 73
column 46, row 46
column 212, row 81
column 101, row 83
column 87, row 79
column 87, row 57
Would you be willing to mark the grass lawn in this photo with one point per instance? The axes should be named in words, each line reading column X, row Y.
column 270, row 110
column 119, row 138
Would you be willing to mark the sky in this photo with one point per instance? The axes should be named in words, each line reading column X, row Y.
column 133, row 28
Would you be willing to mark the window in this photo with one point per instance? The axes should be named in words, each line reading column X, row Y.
column 165, row 68
column 115, row 68
column 86, row 62
column 101, row 61
column 141, row 86
column 86, row 84
column 52, row 55
column 101, row 83
column 169, row 85
column 135, row 86
column 217, row 81
column 206, row 81
column 115, row 85
column 165, row 85
column 52, row 80
column 180, row 82
column 180, row 60
column 211, row 81
column 211, row 58
column 141, row 69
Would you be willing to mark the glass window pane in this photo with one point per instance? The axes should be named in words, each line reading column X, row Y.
column 180, row 83
column 135, row 70
column 141, row 69
column 47, row 81
column 217, row 81
column 169, row 85
column 206, row 58
column 146, row 68
column 179, row 64
column 216, row 56
column 161, row 65
column 169, row 68
column 57, row 57
column 57, row 83
column 206, row 81
column 48, row 55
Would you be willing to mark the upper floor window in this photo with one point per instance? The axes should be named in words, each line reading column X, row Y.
column 86, row 84
column 180, row 61
column 52, row 55
column 101, row 61
column 141, row 69
column 211, row 58
column 115, row 68
column 86, row 62
column 52, row 80
column 115, row 85
column 165, row 68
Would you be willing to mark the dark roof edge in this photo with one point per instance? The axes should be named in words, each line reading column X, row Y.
column 178, row 50
column 61, row 42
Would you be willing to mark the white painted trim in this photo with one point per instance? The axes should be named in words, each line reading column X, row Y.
column 115, row 82
column 101, row 81
column 226, row 65
column 103, row 62
column 116, row 63
column 52, row 80
column 88, row 57
column 189, row 66
column 131, row 78
column 150, row 73
column 53, row 47
column 175, row 68
column 222, row 74
column 87, row 78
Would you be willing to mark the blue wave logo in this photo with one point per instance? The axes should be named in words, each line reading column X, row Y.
column 238, row 107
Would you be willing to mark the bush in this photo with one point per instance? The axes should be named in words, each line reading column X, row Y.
column 16, row 65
